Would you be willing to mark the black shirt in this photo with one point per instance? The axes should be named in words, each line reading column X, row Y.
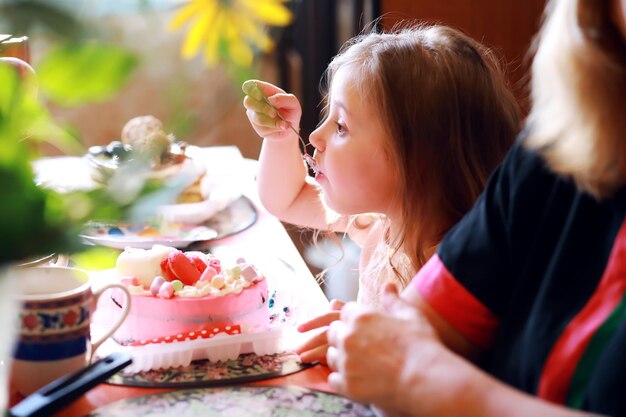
column 536, row 274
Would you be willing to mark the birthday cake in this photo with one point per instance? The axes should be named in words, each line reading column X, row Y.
column 177, row 296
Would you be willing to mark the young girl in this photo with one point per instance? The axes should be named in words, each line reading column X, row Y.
column 415, row 122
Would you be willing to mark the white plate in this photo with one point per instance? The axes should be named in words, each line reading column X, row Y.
column 134, row 241
column 235, row 218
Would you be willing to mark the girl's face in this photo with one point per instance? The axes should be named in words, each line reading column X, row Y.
column 355, row 173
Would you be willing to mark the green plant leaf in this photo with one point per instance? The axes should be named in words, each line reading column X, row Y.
column 22, row 217
column 24, row 118
column 75, row 74
column 35, row 220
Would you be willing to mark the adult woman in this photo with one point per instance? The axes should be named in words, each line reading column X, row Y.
column 530, row 284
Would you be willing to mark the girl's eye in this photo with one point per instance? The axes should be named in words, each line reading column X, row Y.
column 340, row 128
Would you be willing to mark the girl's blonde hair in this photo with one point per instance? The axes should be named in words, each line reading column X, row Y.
column 451, row 118
column 578, row 95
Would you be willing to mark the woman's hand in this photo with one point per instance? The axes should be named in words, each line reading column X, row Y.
column 394, row 361
column 262, row 105
column 369, row 350
column 315, row 348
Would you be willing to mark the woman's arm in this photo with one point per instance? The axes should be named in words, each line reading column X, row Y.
column 448, row 385
column 396, row 362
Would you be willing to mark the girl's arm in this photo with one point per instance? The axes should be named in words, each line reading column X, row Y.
column 285, row 189
column 288, row 192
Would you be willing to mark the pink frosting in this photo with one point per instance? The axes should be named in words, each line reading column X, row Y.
column 152, row 317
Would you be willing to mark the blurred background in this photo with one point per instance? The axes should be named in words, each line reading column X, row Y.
column 198, row 98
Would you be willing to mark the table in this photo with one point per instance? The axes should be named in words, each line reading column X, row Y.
column 314, row 378
column 267, row 230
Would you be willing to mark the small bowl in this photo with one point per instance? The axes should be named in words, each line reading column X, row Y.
column 102, row 167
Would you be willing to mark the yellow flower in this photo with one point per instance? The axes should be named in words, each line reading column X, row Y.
column 235, row 28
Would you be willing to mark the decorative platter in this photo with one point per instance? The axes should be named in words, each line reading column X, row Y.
column 235, row 218
column 248, row 367
column 240, row 401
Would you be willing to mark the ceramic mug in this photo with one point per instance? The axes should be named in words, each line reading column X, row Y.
column 54, row 338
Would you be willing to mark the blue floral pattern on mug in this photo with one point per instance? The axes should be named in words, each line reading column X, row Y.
column 45, row 322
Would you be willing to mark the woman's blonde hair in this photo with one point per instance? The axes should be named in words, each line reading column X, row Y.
column 578, row 95
column 449, row 113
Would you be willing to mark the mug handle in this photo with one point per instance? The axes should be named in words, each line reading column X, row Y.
column 61, row 260
column 95, row 345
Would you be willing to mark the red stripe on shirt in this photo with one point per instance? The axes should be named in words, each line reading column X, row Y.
column 569, row 348
column 455, row 303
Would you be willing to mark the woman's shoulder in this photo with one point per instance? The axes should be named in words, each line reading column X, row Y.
column 524, row 177
column 523, row 162
column 519, row 196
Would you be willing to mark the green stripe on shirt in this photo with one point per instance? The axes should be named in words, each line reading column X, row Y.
column 582, row 373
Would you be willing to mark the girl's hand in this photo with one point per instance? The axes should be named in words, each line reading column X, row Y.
column 262, row 104
column 315, row 348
